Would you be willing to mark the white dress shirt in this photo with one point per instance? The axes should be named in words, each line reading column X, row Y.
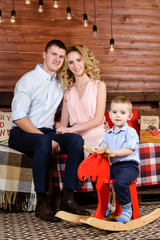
column 37, row 96
column 126, row 137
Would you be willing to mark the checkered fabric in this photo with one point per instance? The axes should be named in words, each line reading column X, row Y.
column 16, row 174
column 15, row 171
column 59, row 167
column 149, row 168
column 16, row 182
column 150, row 164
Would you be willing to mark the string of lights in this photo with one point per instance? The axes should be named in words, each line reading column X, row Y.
column 69, row 16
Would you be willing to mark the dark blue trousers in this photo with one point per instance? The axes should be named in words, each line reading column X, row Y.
column 123, row 174
column 39, row 147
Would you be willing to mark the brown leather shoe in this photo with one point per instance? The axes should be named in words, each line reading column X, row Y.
column 45, row 212
column 72, row 207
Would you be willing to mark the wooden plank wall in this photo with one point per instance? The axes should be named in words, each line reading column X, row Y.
column 134, row 66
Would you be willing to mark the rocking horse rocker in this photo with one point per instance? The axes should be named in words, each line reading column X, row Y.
column 97, row 167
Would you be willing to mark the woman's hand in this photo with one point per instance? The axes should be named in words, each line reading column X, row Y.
column 57, row 125
column 62, row 130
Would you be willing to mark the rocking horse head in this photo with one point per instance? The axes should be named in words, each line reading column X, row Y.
column 95, row 165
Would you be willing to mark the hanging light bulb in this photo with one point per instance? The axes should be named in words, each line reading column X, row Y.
column 0, row 16
column 69, row 16
column 55, row 4
column 111, row 49
column 94, row 26
column 94, row 31
column 40, row 8
column 85, row 20
column 27, row 2
column 13, row 14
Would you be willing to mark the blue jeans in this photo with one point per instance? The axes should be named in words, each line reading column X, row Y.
column 123, row 174
column 39, row 147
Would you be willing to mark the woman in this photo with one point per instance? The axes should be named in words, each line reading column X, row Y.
column 85, row 96
column 84, row 99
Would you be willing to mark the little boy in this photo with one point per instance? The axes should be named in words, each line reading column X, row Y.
column 122, row 141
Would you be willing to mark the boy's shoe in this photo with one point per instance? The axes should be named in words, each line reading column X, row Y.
column 108, row 210
column 126, row 213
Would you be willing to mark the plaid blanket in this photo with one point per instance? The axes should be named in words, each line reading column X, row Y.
column 16, row 182
column 58, row 169
column 150, row 164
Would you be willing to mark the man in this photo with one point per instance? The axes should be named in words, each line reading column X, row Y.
column 36, row 98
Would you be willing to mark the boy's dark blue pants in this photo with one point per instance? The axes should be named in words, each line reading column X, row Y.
column 39, row 147
column 123, row 174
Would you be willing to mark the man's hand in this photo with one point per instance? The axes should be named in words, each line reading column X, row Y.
column 106, row 126
column 55, row 147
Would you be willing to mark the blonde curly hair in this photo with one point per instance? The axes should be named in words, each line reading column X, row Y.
column 92, row 69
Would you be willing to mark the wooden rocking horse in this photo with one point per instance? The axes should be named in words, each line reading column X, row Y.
column 97, row 167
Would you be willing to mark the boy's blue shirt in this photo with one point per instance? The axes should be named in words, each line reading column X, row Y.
column 127, row 137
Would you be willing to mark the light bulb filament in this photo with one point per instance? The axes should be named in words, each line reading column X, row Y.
column 69, row 16
column 13, row 19
column 40, row 9
column 111, row 48
column 85, row 23
column 28, row 1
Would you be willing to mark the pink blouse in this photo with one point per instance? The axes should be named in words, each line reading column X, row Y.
column 82, row 110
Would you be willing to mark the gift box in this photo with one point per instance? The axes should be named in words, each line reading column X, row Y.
column 149, row 137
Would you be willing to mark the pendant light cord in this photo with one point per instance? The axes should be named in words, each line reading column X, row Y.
column 111, row 19
column 94, row 12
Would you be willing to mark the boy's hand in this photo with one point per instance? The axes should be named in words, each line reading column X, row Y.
column 102, row 149
column 99, row 150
